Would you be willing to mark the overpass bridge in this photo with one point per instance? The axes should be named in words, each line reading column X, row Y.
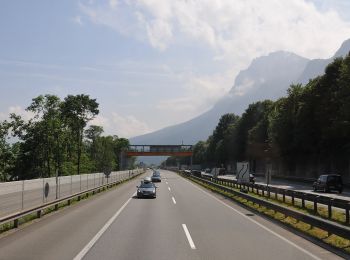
column 155, row 150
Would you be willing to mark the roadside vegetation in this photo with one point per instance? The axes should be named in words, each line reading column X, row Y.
column 56, row 139
column 309, row 129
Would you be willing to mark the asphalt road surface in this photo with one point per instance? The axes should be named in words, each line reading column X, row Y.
column 185, row 221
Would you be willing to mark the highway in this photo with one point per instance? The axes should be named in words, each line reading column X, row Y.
column 185, row 221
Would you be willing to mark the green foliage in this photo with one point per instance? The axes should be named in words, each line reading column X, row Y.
column 311, row 123
column 52, row 142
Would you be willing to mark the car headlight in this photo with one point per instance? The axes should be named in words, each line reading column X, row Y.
column 154, row 190
column 139, row 191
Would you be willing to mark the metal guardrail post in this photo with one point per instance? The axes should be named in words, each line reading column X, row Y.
column 284, row 196
column 330, row 202
column 303, row 201
column 347, row 214
column 293, row 195
column 315, row 205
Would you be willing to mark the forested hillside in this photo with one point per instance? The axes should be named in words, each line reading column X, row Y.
column 303, row 134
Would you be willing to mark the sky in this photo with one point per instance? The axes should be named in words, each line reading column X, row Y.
column 152, row 63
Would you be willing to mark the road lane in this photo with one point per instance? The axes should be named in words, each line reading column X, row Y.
column 146, row 229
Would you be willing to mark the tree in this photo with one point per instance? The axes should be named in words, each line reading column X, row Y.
column 77, row 111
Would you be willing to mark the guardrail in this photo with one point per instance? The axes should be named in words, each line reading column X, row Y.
column 326, row 225
column 304, row 197
column 39, row 208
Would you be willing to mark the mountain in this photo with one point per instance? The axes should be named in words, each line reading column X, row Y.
column 316, row 67
column 267, row 77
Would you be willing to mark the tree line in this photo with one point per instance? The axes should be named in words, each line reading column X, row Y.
column 309, row 126
column 56, row 140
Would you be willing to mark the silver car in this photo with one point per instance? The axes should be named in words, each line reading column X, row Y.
column 147, row 189
column 156, row 177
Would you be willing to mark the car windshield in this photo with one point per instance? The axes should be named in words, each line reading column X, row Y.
column 147, row 185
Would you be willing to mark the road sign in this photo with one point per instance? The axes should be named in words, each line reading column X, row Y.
column 107, row 172
column 242, row 172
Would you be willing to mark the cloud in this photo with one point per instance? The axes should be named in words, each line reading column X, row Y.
column 122, row 126
column 18, row 110
column 200, row 93
column 234, row 30
column 77, row 20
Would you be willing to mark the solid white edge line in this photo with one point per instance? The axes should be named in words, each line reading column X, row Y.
column 93, row 241
column 257, row 223
column 173, row 200
column 188, row 235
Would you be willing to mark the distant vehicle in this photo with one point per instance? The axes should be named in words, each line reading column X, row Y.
column 207, row 170
column 196, row 173
column 156, row 177
column 252, row 178
column 147, row 180
column 329, row 182
column 146, row 189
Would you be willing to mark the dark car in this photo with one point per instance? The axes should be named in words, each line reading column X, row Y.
column 196, row 173
column 147, row 189
column 329, row 182
column 156, row 177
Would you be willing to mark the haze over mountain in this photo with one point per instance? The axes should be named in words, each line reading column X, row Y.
column 267, row 77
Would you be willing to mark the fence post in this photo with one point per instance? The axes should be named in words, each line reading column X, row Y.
column 347, row 214
column 43, row 190
column 293, row 193
column 284, row 196
column 22, row 195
